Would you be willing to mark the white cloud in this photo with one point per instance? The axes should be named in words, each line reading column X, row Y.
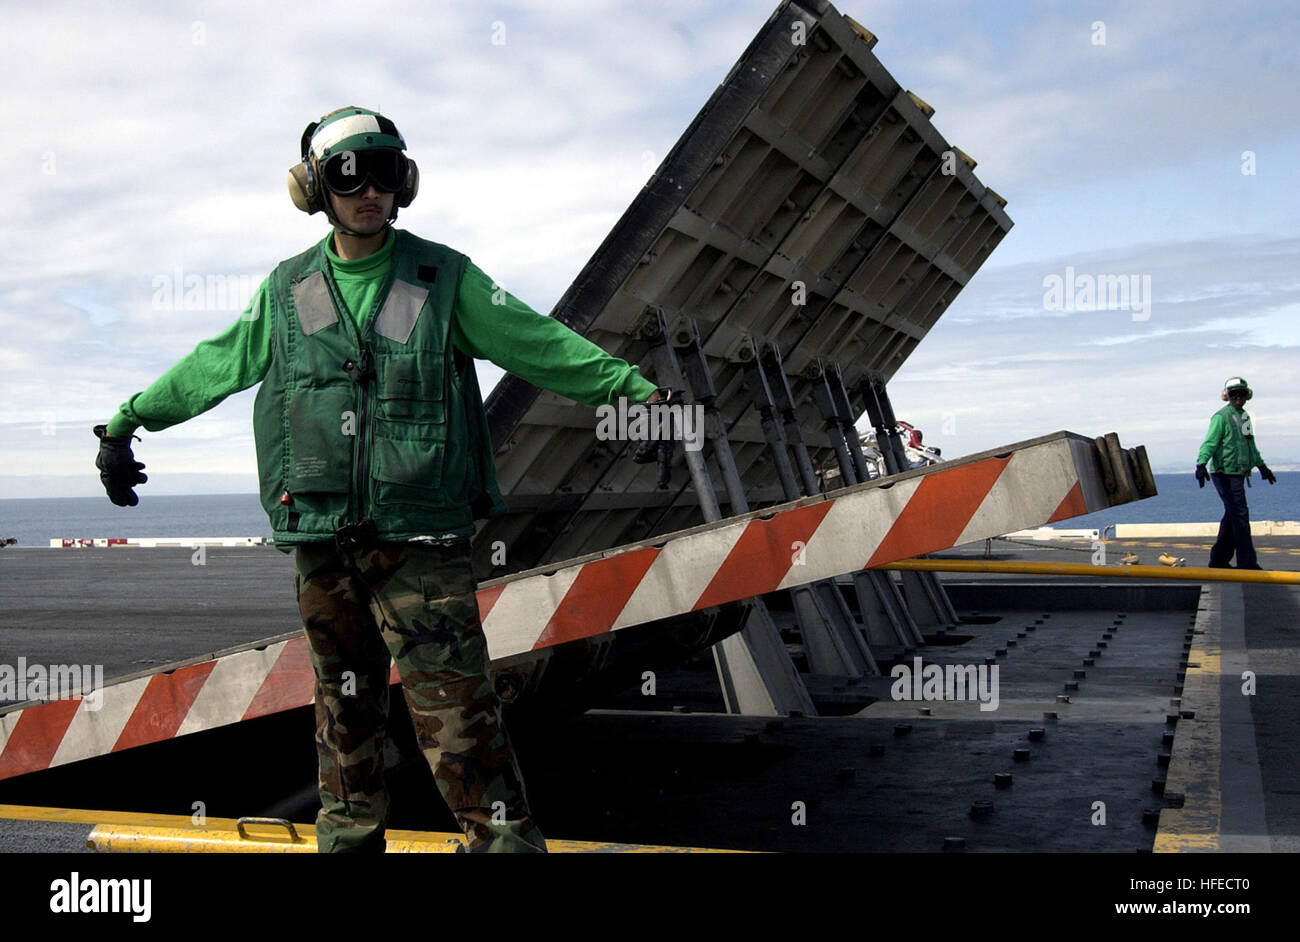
column 1279, row 327
column 168, row 153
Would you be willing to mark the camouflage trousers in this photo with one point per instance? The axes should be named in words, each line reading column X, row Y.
column 413, row 603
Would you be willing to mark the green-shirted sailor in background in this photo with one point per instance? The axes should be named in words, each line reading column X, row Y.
column 1230, row 451
column 374, row 461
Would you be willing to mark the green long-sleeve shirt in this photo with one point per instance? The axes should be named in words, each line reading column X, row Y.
column 488, row 323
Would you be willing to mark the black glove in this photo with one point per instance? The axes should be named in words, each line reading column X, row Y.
column 647, row 450
column 1267, row 475
column 1202, row 475
column 118, row 468
column 659, row 450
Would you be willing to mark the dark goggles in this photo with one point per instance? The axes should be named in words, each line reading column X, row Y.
column 350, row 171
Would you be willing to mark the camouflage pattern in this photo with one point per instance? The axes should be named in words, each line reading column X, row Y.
column 424, row 615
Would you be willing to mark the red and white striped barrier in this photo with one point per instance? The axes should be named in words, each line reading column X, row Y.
column 229, row 689
column 870, row 524
column 866, row 525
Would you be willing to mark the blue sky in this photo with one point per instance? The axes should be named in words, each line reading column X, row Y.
column 146, row 140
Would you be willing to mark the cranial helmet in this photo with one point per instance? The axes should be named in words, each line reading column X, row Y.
column 345, row 150
column 1236, row 382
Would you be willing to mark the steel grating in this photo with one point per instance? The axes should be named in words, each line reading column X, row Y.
column 808, row 165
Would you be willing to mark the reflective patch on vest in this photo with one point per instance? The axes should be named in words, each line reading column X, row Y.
column 311, row 297
column 401, row 309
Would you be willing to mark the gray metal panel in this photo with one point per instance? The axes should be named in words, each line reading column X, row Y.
column 809, row 164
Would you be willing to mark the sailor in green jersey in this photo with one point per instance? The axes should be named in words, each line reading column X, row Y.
column 374, row 460
column 1229, row 451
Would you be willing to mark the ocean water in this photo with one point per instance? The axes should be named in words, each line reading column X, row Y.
column 1179, row 500
column 36, row 521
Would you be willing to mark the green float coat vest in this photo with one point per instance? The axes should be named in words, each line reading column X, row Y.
column 1229, row 446
column 404, row 444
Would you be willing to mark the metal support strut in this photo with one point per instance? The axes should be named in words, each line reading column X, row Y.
column 754, row 668
column 831, row 638
column 926, row 599
column 885, row 616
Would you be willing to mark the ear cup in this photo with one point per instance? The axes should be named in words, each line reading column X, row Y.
column 412, row 186
column 300, row 188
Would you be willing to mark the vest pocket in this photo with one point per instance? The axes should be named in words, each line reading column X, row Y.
column 322, row 430
column 410, row 386
column 410, row 463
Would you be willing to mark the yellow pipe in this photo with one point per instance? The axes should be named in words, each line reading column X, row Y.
column 119, row 838
column 1190, row 573
column 91, row 816
column 125, row 838
column 126, row 831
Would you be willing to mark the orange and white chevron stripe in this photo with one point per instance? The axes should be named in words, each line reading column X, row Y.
column 806, row 541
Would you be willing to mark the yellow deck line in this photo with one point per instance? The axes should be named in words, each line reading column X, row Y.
column 90, row 816
column 1197, row 758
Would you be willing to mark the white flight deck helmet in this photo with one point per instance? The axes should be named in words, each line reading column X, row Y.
column 345, row 150
column 1236, row 382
